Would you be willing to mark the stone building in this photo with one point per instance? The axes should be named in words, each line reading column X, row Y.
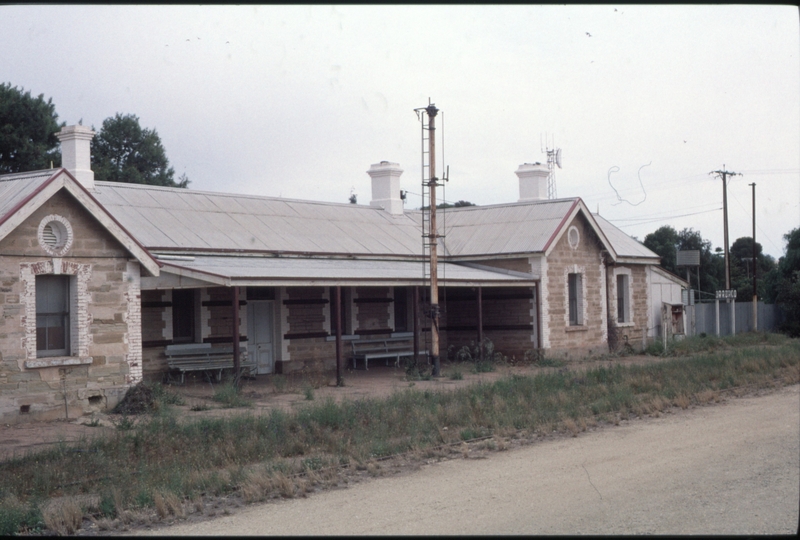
column 97, row 279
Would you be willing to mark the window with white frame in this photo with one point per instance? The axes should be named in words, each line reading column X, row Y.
column 623, row 298
column 52, row 315
column 575, row 299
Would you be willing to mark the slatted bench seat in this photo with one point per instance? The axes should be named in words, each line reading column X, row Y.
column 203, row 357
column 388, row 348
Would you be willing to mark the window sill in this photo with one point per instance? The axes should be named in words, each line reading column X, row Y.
column 579, row 328
column 55, row 361
column 624, row 324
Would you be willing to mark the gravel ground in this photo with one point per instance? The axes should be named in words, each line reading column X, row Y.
column 732, row 468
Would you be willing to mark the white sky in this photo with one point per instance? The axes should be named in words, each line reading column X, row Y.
column 299, row 101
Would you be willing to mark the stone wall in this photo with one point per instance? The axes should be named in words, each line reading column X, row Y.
column 581, row 256
column 105, row 354
column 634, row 332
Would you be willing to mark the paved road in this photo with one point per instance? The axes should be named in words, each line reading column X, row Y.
column 732, row 468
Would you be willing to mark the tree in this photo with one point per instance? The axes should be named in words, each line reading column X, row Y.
column 666, row 241
column 123, row 151
column 28, row 128
column 786, row 280
column 663, row 241
column 741, row 255
column 457, row 204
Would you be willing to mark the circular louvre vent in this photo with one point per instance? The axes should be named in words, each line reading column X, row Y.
column 573, row 237
column 55, row 235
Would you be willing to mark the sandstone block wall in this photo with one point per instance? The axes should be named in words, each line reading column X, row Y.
column 105, row 354
column 583, row 257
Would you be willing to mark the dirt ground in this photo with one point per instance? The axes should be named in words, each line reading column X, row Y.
column 267, row 392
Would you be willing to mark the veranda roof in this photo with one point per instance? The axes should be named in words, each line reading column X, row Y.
column 294, row 271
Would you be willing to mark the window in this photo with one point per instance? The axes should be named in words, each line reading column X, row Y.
column 183, row 327
column 623, row 304
column 401, row 309
column 52, row 315
column 575, row 286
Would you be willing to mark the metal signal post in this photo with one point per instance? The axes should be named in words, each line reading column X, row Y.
column 432, row 111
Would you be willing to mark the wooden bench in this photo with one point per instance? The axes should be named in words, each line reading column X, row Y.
column 388, row 348
column 203, row 357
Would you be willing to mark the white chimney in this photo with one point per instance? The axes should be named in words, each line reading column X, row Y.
column 532, row 181
column 76, row 153
column 386, row 187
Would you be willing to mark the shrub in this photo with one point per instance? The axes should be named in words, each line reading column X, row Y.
column 230, row 396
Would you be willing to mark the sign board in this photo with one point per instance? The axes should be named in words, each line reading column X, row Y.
column 688, row 257
column 726, row 294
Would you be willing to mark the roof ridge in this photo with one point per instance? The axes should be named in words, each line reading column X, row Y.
column 119, row 185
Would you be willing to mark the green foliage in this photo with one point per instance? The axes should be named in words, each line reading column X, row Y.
column 741, row 254
column 666, row 241
column 787, row 284
column 16, row 517
column 230, row 396
column 457, row 204
column 123, row 151
column 28, row 128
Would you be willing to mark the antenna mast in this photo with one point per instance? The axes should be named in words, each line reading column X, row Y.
column 553, row 160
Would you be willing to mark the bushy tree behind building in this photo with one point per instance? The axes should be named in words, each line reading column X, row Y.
column 123, row 151
column 28, row 127
column 666, row 241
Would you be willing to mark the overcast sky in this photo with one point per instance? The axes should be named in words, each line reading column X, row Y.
column 298, row 102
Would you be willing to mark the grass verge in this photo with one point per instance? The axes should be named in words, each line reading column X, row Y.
column 167, row 464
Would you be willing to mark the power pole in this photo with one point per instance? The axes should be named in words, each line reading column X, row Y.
column 755, row 265
column 725, row 175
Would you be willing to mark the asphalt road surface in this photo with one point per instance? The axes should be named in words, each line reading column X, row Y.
column 732, row 468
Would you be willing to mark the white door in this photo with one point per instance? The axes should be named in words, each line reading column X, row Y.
column 259, row 334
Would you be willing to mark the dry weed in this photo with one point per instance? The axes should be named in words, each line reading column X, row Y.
column 168, row 504
column 373, row 469
column 161, row 506
column 707, row 396
column 256, row 486
column 682, row 401
column 571, row 426
column 63, row 517
column 284, row 485
column 105, row 524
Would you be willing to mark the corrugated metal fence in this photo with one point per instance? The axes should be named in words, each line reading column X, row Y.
column 702, row 318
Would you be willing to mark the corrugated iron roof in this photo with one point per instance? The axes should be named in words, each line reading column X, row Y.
column 15, row 188
column 624, row 245
column 187, row 220
column 322, row 270
column 523, row 227
column 171, row 218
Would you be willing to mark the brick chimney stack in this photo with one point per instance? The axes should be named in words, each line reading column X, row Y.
column 386, row 187
column 76, row 153
column 532, row 181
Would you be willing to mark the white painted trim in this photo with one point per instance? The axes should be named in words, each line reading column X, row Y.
column 581, row 207
column 62, row 179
